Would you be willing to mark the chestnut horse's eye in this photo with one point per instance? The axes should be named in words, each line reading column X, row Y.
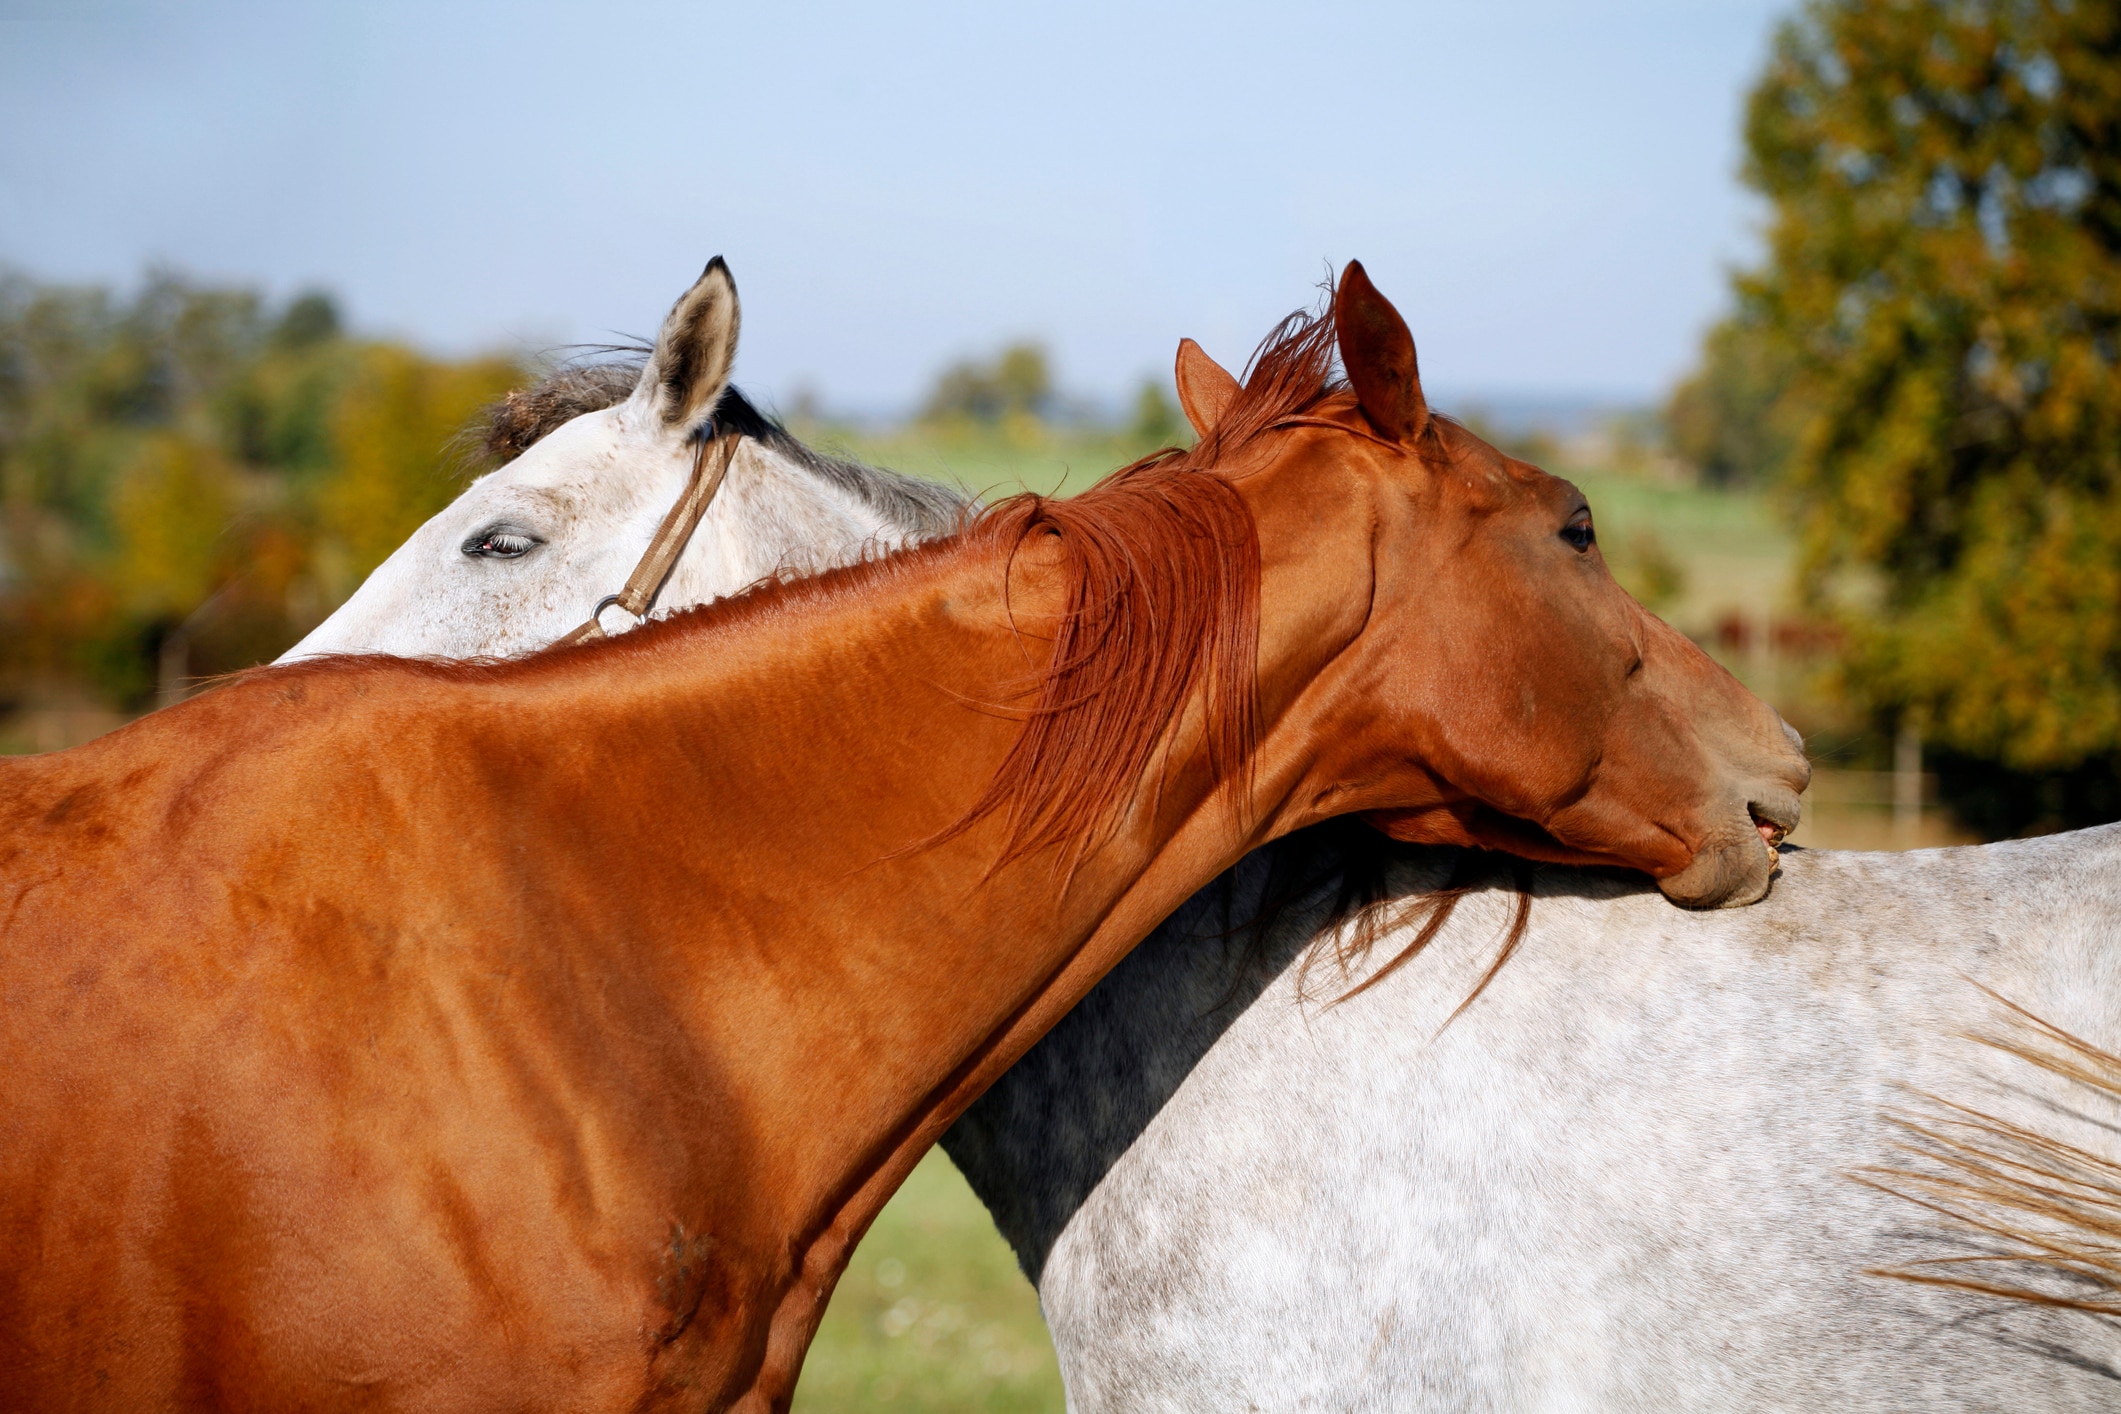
column 1579, row 534
column 500, row 544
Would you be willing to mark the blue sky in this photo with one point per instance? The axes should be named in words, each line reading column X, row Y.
column 1547, row 190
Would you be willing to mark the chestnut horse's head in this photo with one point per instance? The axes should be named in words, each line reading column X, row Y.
column 1531, row 705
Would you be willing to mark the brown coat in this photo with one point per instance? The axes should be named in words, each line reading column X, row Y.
column 544, row 1035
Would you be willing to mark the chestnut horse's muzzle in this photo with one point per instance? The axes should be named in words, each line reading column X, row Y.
column 1737, row 860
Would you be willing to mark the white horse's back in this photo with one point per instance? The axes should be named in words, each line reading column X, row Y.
column 1625, row 1178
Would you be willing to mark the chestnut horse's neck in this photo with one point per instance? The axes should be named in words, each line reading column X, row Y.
column 759, row 818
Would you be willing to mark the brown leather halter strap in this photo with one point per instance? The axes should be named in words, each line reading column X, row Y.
column 670, row 538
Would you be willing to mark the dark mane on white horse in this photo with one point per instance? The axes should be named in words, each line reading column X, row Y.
column 597, row 377
column 605, row 377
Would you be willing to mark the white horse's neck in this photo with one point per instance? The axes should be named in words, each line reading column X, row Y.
column 783, row 510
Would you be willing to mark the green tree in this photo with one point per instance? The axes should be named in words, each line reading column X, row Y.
column 1156, row 421
column 1016, row 383
column 1943, row 287
column 1735, row 420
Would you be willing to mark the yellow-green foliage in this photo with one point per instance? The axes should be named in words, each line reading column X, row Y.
column 392, row 431
column 1943, row 284
column 174, row 501
column 192, row 446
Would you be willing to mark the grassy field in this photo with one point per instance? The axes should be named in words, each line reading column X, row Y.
column 933, row 1316
column 989, row 462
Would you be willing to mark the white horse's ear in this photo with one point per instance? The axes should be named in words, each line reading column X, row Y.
column 1205, row 387
column 690, row 367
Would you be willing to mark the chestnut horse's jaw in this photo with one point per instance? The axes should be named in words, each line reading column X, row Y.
column 1736, row 863
column 1753, row 782
column 1731, row 869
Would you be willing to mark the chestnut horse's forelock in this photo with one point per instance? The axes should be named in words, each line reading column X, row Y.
column 1290, row 373
column 1162, row 570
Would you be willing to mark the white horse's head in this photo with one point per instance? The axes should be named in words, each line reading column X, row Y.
column 523, row 555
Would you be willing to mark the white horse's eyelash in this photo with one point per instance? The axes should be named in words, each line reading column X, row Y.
column 501, row 545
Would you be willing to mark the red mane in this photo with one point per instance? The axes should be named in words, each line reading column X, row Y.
column 1162, row 566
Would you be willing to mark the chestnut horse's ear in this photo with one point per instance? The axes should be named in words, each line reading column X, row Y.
column 1378, row 352
column 1205, row 387
column 686, row 374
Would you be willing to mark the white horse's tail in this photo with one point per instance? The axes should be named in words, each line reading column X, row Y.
column 2043, row 1215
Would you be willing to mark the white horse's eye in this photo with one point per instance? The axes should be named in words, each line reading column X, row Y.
column 501, row 544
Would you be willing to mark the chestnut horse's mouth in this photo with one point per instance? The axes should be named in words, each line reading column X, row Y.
column 1772, row 835
column 1727, row 869
column 1740, row 857
column 1775, row 820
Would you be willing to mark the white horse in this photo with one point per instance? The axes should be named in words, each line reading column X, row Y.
column 528, row 550
column 1628, row 1176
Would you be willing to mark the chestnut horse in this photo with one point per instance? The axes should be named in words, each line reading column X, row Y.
column 1673, row 1085
column 543, row 1034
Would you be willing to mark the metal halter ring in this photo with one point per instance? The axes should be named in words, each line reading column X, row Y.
column 596, row 615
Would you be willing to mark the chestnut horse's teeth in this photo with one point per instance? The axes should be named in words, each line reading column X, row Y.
column 1772, row 837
